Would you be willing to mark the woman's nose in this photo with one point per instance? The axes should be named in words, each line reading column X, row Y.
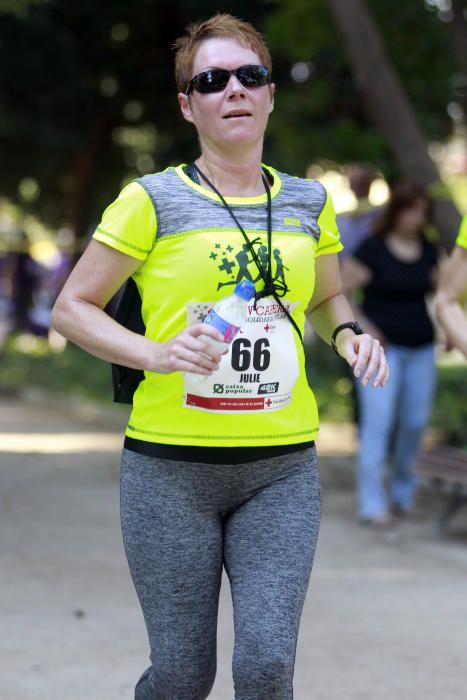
column 234, row 86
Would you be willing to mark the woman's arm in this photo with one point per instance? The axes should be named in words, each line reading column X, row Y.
column 452, row 287
column 78, row 315
column 328, row 309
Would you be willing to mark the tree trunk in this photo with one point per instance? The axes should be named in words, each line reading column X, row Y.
column 83, row 169
column 389, row 107
column 459, row 35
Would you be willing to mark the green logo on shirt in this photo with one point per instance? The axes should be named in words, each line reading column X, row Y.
column 238, row 266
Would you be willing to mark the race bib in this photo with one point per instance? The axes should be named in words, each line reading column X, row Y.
column 260, row 369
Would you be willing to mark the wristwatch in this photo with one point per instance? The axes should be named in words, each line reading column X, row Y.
column 353, row 325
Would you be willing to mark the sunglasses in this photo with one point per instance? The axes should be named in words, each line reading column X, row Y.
column 216, row 79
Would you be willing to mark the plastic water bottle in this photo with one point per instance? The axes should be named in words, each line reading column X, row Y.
column 227, row 316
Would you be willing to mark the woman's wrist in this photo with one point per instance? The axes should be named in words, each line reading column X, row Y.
column 342, row 333
column 150, row 356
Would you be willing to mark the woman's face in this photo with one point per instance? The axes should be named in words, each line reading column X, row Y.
column 413, row 219
column 236, row 116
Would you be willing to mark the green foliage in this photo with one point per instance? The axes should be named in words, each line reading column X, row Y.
column 421, row 51
column 450, row 409
column 18, row 7
column 88, row 97
column 330, row 380
column 72, row 372
column 324, row 117
column 78, row 81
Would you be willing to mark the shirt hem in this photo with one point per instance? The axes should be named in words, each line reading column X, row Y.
column 223, row 440
column 122, row 247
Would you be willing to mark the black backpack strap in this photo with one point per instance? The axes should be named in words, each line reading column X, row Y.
column 126, row 380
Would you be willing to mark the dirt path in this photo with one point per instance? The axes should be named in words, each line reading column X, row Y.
column 385, row 615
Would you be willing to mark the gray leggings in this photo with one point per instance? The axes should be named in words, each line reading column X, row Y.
column 182, row 522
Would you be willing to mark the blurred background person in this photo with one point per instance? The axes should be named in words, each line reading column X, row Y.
column 53, row 268
column 25, row 282
column 357, row 224
column 6, row 276
column 395, row 269
column 452, row 291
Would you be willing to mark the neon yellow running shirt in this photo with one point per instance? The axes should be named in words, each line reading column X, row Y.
column 462, row 237
column 192, row 255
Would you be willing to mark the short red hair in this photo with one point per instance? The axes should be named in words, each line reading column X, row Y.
column 220, row 25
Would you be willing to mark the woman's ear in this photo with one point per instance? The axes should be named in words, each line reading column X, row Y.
column 272, row 92
column 185, row 106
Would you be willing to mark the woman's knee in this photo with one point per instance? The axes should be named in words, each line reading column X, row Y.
column 168, row 683
column 265, row 676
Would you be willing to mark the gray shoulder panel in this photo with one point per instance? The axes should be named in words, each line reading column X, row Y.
column 180, row 208
column 307, row 198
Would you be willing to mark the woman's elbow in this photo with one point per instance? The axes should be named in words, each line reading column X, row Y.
column 60, row 315
column 442, row 302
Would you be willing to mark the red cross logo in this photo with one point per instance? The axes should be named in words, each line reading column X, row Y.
column 267, row 327
column 268, row 402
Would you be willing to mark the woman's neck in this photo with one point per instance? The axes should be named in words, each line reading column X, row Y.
column 405, row 247
column 231, row 178
column 409, row 238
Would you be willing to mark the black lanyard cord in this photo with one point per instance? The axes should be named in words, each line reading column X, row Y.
column 272, row 288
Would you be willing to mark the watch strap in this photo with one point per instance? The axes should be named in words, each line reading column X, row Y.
column 353, row 325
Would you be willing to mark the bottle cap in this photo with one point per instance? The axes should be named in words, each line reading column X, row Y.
column 245, row 290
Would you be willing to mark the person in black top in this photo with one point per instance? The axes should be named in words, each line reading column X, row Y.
column 395, row 270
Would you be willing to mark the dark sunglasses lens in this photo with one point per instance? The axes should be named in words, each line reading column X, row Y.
column 213, row 80
column 216, row 79
column 252, row 76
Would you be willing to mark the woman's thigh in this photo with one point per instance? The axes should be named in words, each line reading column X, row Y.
column 173, row 543
column 269, row 548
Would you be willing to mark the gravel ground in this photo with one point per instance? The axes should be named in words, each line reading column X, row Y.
column 385, row 616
